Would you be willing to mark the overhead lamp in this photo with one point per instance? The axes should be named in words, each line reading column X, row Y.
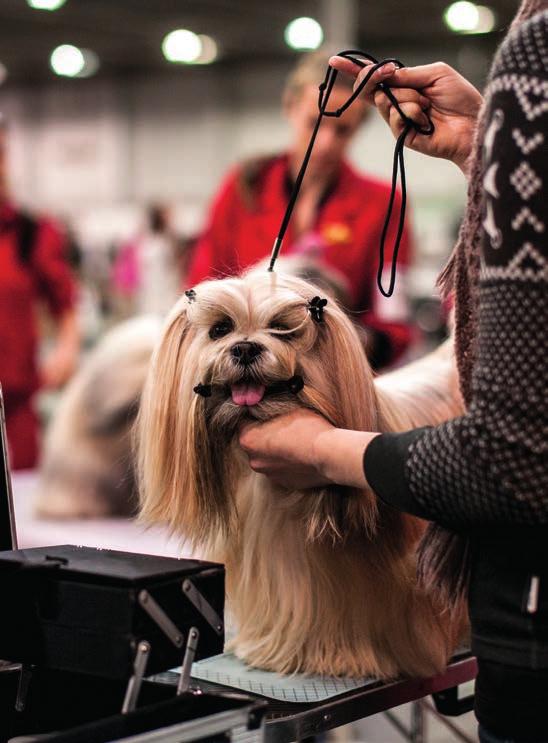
column 70, row 61
column 468, row 18
column 67, row 60
column 182, row 46
column 45, row 4
column 210, row 50
column 303, row 33
column 487, row 20
column 91, row 63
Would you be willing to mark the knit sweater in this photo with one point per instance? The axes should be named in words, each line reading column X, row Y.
column 490, row 466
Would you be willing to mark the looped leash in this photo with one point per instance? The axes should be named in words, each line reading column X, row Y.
column 398, row 167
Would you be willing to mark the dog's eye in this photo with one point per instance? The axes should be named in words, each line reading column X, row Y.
column 282, row 335
column 221, row 328
column 275, row 325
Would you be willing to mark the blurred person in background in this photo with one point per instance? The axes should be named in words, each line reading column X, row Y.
column 33, row 269
column 338, row 217
column 146, row 274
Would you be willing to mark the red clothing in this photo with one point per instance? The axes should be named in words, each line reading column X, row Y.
column 241, row 231
column 43, row 276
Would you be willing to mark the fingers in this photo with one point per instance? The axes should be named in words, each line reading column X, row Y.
column 411, row 103
column 421, row 76
column 417, row 78
column 360, row 73
column 345, row 66
column 247, row 435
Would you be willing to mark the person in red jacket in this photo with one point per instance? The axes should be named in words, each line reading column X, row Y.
column 33, row 269
column 337, row 221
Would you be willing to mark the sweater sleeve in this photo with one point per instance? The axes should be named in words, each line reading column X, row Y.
column 490, row 466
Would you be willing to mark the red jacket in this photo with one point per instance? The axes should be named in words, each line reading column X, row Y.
column 44, row 276
column 244, row 221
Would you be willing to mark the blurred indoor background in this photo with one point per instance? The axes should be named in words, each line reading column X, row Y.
column 103, row 123
column 125, row 113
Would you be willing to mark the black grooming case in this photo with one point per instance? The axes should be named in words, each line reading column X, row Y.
column 86, row 610
column 63, row 707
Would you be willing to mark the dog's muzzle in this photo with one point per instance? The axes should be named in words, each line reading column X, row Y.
column 251, row 393
column 246, row 352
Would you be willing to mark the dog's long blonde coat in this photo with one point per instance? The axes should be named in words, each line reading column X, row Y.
column 318, row 581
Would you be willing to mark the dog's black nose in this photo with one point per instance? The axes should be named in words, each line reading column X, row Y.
column 245, row 352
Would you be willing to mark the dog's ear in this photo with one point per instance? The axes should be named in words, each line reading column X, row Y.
column 341, row 378
column 178, row 480
column 340, row 387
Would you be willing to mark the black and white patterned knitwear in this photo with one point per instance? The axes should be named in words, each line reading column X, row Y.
column 490, row 466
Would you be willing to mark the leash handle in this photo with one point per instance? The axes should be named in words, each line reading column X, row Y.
column 398, row 167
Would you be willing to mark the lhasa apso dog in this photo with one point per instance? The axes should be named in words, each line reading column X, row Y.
column 319, row 581
column 87, row 469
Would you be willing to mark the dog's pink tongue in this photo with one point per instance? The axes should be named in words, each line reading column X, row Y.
column 247, row 394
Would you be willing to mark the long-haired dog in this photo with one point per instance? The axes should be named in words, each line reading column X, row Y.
column 320, row 580
column 87, row 469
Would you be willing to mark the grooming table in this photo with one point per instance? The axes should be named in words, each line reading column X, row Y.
column 296, row 721
column 287, row 720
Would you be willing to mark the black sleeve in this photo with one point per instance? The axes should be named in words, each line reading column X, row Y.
column 384, row 466
column 491, row 465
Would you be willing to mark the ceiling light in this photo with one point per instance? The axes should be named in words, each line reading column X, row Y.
column 486, row 21
column 67, row 60
column 91, row 63
column 303, row 33
column 462, row 16
column 45, row 4
column 182, row 46
column 468, row 18
column 210, row 50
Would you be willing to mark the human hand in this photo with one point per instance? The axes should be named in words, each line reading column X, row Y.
column 301, row 450
column 283, row 448
column 59, row 366
column 452, row 104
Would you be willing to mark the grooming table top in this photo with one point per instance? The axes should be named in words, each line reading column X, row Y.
column 335, row 702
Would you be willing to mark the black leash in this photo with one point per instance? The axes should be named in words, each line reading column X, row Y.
column 398, row 164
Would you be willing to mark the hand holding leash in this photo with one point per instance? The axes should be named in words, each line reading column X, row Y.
column 451, row 101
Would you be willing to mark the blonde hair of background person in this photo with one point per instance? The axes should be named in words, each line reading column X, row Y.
column 484, row 474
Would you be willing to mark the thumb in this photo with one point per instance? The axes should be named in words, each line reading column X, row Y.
column 245, row 433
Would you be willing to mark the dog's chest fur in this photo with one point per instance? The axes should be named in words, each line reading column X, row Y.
column 344, row 609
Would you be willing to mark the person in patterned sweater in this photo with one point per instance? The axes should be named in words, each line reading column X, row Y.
column 482, row 478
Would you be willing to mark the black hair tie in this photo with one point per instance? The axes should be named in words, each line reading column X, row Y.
column 398, row 164
column 204, row 390
column 316, row 307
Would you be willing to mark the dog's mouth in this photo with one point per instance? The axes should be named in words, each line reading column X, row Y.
column 248, row 393
column 252, row 393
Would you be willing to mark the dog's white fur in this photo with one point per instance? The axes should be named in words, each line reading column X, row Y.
column 319, row 581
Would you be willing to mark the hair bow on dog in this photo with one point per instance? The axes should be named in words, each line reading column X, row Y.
column 315, row 307
column 204, row 390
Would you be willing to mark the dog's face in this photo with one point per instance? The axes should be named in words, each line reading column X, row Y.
column 231, row 349
column 251, row 341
